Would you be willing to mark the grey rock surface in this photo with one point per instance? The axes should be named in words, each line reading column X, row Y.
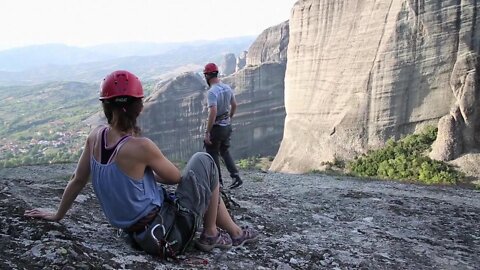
column 241, row 61
column 361, row 72
column 459, row 131
column 229, row 64
column 175, row 115
column 306, row 222
column 258, row 123
column 270, row 46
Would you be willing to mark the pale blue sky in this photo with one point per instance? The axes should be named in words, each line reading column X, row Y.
column 90, row 22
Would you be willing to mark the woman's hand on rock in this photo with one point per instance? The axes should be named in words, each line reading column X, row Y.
column 37, row 213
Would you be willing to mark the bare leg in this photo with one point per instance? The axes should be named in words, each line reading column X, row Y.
column 225, row 222
column 217, row 215
column 210, row 217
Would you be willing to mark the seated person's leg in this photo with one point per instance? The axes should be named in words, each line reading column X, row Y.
column 199, row 192
column 199, row 180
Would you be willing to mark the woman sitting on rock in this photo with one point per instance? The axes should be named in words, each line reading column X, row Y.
column 125, row 168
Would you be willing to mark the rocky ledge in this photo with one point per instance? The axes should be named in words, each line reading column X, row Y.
column 307, row 222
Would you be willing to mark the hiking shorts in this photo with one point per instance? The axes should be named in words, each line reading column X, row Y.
column 199, row 179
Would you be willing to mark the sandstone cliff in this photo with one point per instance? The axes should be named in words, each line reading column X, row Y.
column 229, row 64
column 241, row 61
column 258, row 123
column 270, row 46
column 174, row 116
column 361, row 72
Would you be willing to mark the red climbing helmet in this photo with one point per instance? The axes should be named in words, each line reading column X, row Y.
column 121, row 83
column 209, row 68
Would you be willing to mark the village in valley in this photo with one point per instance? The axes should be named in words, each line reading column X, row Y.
column 41, row 148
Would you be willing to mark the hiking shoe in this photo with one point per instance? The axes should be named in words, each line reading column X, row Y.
column 207, row 243
column 237, row 182
column 248, row 235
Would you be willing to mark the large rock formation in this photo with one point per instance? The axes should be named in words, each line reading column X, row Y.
column 258, row 123
column 229, row 64
column 241, row 61
column 459, row 130
column 361, row 72
column 174, row 116
column 270, row 46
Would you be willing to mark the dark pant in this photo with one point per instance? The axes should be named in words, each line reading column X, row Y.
column 220, row 138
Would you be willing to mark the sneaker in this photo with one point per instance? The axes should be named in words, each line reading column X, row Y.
column 248, row 235
column 237, row 182
column 207, row 243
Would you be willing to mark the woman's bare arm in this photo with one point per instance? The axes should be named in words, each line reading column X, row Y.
column 165, row 171
column 74, row 187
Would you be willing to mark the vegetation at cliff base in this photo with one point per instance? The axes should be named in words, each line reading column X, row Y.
column 255, row 162
column 407, row 160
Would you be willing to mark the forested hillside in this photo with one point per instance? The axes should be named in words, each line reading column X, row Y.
column 43, row 123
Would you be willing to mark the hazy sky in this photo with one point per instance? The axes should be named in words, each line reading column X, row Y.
column 88, row 22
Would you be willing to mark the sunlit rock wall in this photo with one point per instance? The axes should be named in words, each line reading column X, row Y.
column 270, row 46
column 361, row 72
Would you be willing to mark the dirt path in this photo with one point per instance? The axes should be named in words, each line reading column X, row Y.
column 307, row 222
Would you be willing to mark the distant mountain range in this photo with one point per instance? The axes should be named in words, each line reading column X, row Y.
column 49, row 92
column 58, row 62
column 20, row 59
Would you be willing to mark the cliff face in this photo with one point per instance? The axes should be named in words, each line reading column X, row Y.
column 258, row 123
column 361, row 72
column 270, row 46
column 229, row 64
column 174, row 116
column 259, row 87
column 241, row 61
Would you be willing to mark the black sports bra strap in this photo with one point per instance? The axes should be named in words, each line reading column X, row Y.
column 97, row 141
column 108, row 153
column 119, row 145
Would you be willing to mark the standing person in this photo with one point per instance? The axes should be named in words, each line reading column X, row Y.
column 125, row 168
column 221, row 108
